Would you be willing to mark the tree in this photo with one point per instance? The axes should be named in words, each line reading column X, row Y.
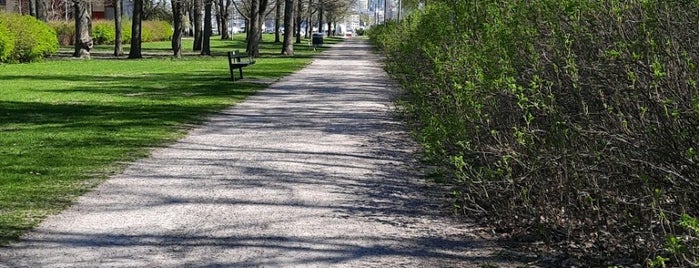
column 244, row 11
column 320, row 16
column 254, row 31
column 41, row 12
column 178, row 25
column 135, row 50
column 309, row 21
column 334, row 10
column 118, row 46
column 155, row 10
column 297, row 23
column 198, row 38
column 277, row 19
column 206, row 44
column 83, row 41
column 288, row 46
column 257, row 11
column 224, row 15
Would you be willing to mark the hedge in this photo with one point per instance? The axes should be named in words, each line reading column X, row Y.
column 33, row 39
column 103, row 31
column 573, row 122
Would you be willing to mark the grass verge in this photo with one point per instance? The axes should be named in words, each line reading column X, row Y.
column 66, row 125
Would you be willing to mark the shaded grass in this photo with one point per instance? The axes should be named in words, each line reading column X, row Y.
column 66, row 125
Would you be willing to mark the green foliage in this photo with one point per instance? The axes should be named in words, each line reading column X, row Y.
column 65, row 32
column 683, row 246
column 7, row 42
column 103, row 31
column 575, row 118
column 156, row 31
column 33, row 39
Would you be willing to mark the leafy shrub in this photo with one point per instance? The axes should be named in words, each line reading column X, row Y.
column 65, row 32
column 103, row 32
column 360, row 32
column 33, row 39
column 7, row 42
column 125, row 31
column 577, row 121
column 156, row 31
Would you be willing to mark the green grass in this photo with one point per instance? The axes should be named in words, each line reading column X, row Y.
column 66, row 125
column 268, row 49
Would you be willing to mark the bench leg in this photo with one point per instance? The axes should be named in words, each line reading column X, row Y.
column 232, row 72
column 241, row 73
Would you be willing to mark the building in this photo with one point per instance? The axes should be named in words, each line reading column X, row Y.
column 353, row 22
column 63, row 9
column 363, row 5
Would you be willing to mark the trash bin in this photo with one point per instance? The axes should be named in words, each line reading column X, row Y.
column 317, row 39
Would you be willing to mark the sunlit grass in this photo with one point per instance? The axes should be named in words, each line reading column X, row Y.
column 65, row 125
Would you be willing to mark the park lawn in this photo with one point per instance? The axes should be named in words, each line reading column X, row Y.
column 66, row 125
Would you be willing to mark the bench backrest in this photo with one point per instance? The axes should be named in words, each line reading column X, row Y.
column 236, row 56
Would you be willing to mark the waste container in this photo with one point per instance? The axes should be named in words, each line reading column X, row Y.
column 317, row 39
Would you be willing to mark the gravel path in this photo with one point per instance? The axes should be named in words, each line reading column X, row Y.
column 312, row 172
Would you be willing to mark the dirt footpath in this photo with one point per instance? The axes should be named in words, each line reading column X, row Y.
column 312, row 172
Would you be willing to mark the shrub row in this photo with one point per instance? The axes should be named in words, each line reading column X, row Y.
column 103, row 31
column 574, row 121
column 25, row 39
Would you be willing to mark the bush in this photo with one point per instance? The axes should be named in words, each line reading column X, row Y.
column 33, row 39
column 65, row 32
column 103, row 31
column 7, row 42
column 125, row 31
column 575, row 121
column 156, row 31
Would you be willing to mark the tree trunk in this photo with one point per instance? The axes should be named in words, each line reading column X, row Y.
column 206, row 44
column 288, row 46
column 41, row 12
column 197, row 25
column 217, row 9
column 247, row 30
column 135, row 50
column 32, row 8
column 385, row 7
column 252, row 25
column 297, row 23
column 329, row 28
column 277, row 19
column 309, row 21
column 178, row 25
column 400, row 7
column 83, row 41
column 224, row 13
column 320, row 18
column 118, row 46
column 257, row 10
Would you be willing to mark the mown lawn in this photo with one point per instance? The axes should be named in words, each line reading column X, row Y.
column 66, row 124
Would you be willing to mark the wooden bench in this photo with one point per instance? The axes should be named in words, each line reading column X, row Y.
column 237, row 60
